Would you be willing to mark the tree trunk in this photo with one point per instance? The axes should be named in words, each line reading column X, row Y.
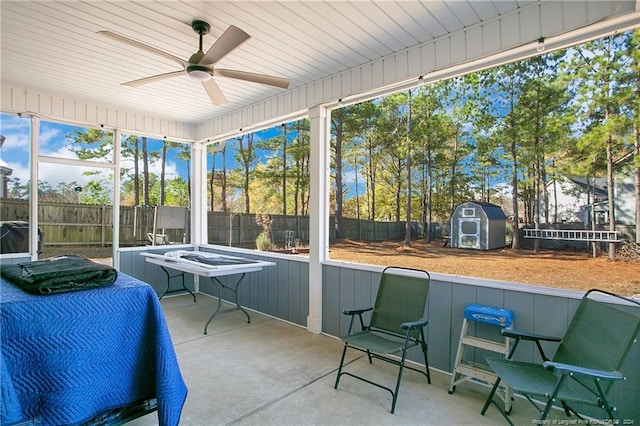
column 224, row 180
column 338, row 165
column 407, row 228
column 145, row 170
column 610, row 195
column 247, row 156
column 162, row 172
column 429, row 189
column 284, row 169
column 636, row 151
column 212, row 187
column 515, row 244
column 398, row 190
column 355, row 172
column 371, row 176
column 136, row 174
column 452, row 184
column 594, row 245
column 536, row 203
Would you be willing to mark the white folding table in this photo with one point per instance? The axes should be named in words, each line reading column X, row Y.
column 212, row 266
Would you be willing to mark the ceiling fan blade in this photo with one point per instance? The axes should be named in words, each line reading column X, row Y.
column 229, row 40
column 141, row 81
column 131, row 42
column 214, row 92
column 269, row 80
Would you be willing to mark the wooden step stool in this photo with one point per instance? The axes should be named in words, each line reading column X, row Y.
column 469, row 371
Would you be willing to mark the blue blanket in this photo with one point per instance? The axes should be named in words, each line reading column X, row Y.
column 70, row 356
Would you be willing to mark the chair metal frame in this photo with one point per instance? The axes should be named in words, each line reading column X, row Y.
column 379, row 341
column 558, row 380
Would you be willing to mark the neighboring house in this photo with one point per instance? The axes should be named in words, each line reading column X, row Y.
column 573, row 196
column 569, row 195
column 625, row 195
column 5, row 172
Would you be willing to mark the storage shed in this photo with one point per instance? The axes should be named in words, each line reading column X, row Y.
column 480, row 226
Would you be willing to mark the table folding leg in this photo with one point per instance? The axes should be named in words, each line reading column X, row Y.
column 169, row 277
column 219, row 285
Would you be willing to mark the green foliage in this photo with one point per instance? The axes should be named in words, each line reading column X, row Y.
column 97, row 192
column 263, row 242
column 91, row 144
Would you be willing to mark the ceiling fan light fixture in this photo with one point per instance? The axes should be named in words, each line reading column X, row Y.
column 199, row 73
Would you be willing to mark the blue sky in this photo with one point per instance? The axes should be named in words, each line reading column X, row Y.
column 53, row 142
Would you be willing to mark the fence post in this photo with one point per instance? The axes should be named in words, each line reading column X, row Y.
column 103, row 230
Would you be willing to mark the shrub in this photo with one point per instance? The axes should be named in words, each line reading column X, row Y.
column 263, row 242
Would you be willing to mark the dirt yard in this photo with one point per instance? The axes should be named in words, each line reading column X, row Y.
column 572, row 270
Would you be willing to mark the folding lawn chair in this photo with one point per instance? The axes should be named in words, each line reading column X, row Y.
column 397, row 324
column 168, row 217
column 585, row 366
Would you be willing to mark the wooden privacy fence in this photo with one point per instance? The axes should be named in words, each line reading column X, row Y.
column 241, row 229
column 82, row 224
column 87, row 224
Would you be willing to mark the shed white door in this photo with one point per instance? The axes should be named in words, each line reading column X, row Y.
column 469, row 232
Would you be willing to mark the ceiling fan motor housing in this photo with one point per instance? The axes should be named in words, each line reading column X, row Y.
column 201, row 27
column 199, row 72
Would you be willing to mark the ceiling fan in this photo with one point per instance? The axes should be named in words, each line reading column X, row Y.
column 200, row 66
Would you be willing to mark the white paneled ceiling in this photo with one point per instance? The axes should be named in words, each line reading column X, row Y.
column 52, row 47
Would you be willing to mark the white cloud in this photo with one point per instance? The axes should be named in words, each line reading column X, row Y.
column 49, row 136
column 16, row 139
column 54, row 174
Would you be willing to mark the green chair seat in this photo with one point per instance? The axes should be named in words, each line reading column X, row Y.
column 537, row 381
column 375, row 342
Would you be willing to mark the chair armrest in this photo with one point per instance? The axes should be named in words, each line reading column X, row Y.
column 528, row 336
column 414, row 324
column 523, row 335
column 356, row 311
column 574, row 369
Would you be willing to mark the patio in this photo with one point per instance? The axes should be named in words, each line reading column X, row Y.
column 266, row 371
column 236, row 373
column 274, row 372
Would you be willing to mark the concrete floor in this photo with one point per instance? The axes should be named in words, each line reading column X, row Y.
column 270, row 372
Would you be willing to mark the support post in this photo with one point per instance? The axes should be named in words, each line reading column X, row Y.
column 33, row 190
column 198, row 223
column 319, row 118
column 115, row 211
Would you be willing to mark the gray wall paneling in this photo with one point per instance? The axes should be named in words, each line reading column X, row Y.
column 282, row 291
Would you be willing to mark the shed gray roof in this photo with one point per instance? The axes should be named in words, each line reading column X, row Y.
column 493, row 211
